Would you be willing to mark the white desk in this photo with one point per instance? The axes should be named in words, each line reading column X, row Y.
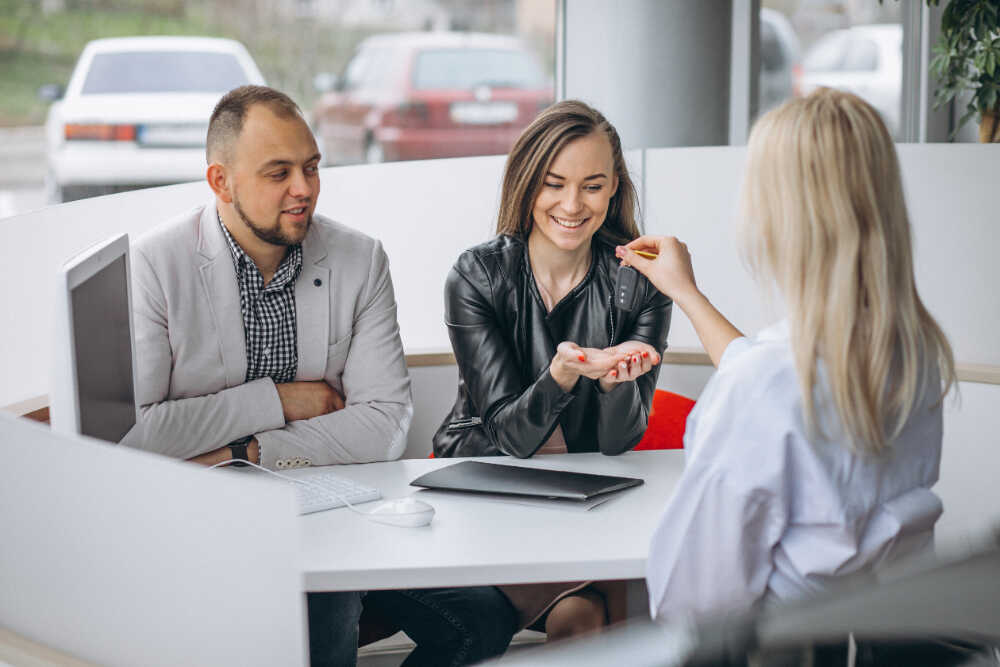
column 474, row 541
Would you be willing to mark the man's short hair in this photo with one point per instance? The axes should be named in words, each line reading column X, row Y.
column 230, row 113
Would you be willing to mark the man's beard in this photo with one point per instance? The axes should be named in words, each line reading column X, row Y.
column 273, row 235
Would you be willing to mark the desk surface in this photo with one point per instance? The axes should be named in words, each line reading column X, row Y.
column 475, row 541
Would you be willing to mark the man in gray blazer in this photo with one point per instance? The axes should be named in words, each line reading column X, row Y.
column 256, row 318
column 266, row 333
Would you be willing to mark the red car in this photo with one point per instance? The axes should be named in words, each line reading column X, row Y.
column 413, row 96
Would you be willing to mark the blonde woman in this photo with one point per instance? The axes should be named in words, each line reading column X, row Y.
column 547, row 364
column 812, row 450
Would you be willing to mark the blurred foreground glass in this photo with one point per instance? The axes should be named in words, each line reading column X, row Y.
column 852, row 46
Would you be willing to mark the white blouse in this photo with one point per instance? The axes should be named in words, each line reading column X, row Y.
column 762, row 511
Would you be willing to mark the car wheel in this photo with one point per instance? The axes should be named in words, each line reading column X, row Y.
column 374, row 153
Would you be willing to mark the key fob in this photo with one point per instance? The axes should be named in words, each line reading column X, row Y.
column 626, row 288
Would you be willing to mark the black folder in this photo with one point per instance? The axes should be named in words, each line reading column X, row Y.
column 483, row 477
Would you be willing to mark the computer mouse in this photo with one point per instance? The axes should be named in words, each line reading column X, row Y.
column 408, row 512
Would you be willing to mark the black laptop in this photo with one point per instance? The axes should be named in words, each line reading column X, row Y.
column 483, row 477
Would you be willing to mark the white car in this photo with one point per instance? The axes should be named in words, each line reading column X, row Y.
column 136, row 110
column 866, row 60
column 779, row 56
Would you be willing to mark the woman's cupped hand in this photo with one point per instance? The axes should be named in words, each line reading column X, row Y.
column 610, row 366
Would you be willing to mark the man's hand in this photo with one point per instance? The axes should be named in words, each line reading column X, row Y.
column 639, row 358
column 224, row 454
column 305, row 400
column 572, row 361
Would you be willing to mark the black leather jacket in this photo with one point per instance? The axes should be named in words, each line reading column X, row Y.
column 504, row 340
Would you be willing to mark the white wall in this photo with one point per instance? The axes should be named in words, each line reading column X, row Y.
column 434, row 391
column 428, row 212
column 425, row 213
column 692, row 193
column 970, row 468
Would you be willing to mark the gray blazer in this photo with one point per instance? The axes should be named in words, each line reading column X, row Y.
column 191, row 348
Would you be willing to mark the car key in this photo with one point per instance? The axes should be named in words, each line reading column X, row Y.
column 626, row 288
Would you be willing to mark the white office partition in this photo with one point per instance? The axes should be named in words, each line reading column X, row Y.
column 951, row 192
column 120, row 557
column 692, row 193
column 36, row 244
column 970, row 464
column 425, row 213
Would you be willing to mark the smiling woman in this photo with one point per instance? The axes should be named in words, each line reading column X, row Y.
column 547, row 364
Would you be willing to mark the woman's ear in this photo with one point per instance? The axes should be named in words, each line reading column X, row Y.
column 218, row 180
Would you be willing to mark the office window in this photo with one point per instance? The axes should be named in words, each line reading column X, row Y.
column 378, row 80
column 852, row 46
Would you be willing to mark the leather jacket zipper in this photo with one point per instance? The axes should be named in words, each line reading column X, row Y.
column 459, row 424
column 611, row 320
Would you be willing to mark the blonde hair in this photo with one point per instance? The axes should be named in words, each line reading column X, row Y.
column 825, row 219
column 532, row 156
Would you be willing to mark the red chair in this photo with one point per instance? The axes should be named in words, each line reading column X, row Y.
column 667, row 420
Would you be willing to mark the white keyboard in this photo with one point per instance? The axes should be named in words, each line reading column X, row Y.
column 327, row 490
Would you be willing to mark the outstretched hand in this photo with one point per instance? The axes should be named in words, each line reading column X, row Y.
column 610, row 366
column 671, row 272
column 572, row 361
column 639, row 358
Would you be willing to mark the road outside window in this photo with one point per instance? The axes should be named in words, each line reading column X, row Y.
column 86, row 110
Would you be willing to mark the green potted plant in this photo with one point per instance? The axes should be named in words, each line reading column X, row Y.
column 967, row 57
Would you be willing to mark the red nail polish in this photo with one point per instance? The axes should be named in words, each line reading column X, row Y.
column 614, row 373
column 645, row 354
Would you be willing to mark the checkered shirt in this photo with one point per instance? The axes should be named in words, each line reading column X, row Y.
column 268, row 313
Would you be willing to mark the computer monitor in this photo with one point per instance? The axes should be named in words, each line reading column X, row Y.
column 93, row 376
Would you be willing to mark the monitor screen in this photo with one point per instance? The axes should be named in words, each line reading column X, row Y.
column 103, row 351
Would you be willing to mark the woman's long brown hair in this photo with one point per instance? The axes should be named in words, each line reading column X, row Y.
column 532, row 155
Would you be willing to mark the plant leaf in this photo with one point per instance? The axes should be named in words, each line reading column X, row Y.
column 970, row 112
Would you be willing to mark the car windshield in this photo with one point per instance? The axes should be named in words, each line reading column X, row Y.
column 468, row 68
column 163, row 72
